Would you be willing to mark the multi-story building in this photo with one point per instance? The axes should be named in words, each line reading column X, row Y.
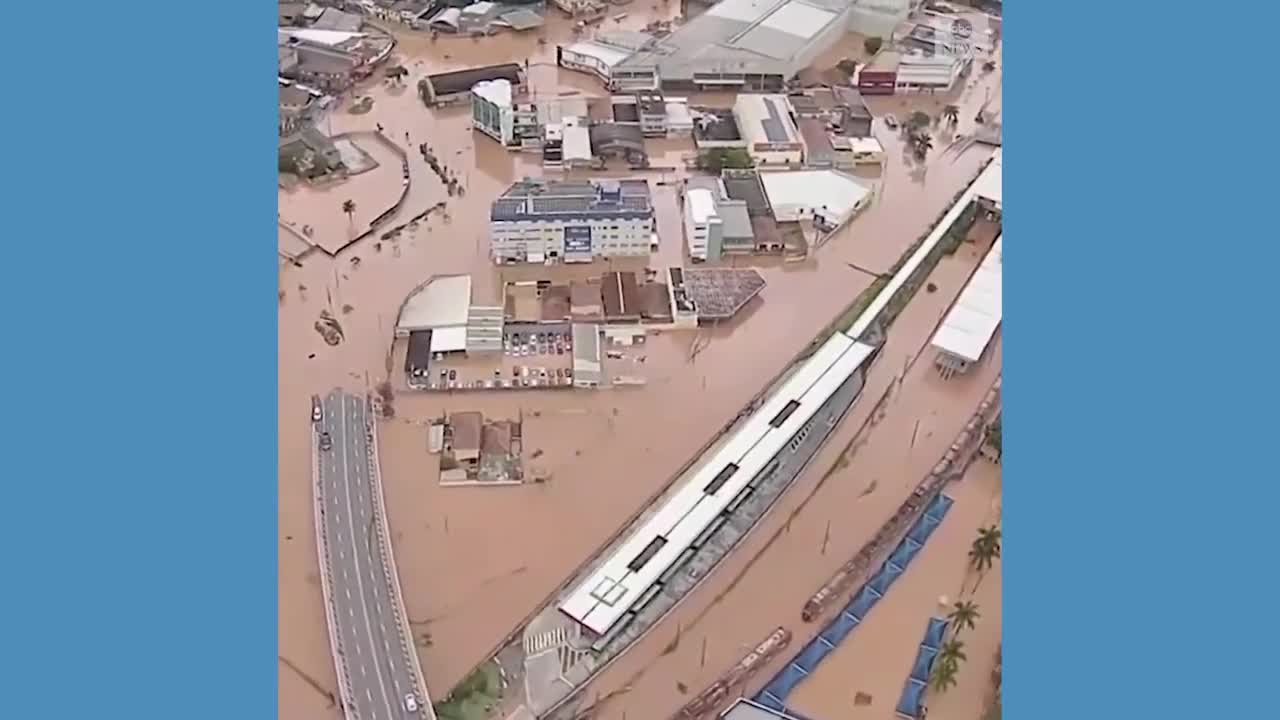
column 715, row 224
column 703, row 228
column 493, row 110
column 541, row 221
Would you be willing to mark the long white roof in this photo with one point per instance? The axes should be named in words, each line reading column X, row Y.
column 443, row 301
column 877, row 305
column 838, row 192
column 990, row 184
column 612, row 589
column 972, row 321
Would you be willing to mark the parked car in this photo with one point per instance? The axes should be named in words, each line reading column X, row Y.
column 890, row 121
column 410, row 703
column 317, row 410
column 453, row 375
column 326, row 442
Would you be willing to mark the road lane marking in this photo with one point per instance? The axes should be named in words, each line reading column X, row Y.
column 364, row 605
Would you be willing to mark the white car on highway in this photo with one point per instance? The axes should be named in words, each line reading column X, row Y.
column 410, row 703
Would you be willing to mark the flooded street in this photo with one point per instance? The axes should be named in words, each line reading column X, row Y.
column 474, row 561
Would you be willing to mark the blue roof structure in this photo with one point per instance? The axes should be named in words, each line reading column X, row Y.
column 775, row 692
column 918, row 682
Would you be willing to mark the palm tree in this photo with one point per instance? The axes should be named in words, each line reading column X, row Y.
column 963, row 616
column 951, row 114
column 952, row 653
column 943, row 676
column 921, row 144
column 349, row 207
column 984, row 551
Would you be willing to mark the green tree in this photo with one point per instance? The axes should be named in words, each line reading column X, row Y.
column 995, row 437
column 918, row 120
column 963, row 616
column 872, row 45
column 952, row 653
column 951, row 114
column 349, row 207
column 921, row 144
column 943, row 676
column 984, row 551
column 717, row 159
column 847, row 66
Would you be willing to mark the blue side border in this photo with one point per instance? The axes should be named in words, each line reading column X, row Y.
column 1140, row 347
column 140, row 354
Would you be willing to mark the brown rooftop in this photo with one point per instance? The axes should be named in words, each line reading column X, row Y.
column 584, row 297
column 466, row 428
column 497, row 438
column 621, row 296
column 655, row 303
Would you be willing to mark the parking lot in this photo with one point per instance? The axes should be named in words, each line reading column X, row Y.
column 533, row 356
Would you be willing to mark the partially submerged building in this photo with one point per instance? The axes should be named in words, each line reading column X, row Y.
column 476, row 451
column 439, row 320
column 715, row 224
column 498, row 113
column 716, row 128
column 451, row 87
column 602, row 53
column 655, row 115
column 548, row 221
column 751, row 44
column 668, row 550
column 330, row 60
column 295, row 105
column 827, row 198
column 966, row 331
column 767, row 125
column 588, row 372
column 715, row 294
column 309, row 154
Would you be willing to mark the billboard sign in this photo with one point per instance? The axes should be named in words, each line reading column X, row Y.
column 577, row 241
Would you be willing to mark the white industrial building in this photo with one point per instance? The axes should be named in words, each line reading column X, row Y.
column 969, row 326
column 857, row 151
column 493, row 110
column 541, row 221
column 751, row 44
column 587, row 369
column 441, row 310
column 923, row 72
column 702, row 224
column 635, row 571
column 598, row 56
column 769, row 128
column 989, row 187
column 828, row 198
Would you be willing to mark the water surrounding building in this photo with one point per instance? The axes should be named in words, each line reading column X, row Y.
column 540, row 221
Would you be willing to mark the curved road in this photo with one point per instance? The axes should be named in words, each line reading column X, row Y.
column 372, row 649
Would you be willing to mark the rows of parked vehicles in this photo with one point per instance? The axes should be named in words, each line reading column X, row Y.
column 538, row 343
column 521, row 376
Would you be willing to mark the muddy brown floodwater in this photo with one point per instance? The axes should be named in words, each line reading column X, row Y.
column 474, row 561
